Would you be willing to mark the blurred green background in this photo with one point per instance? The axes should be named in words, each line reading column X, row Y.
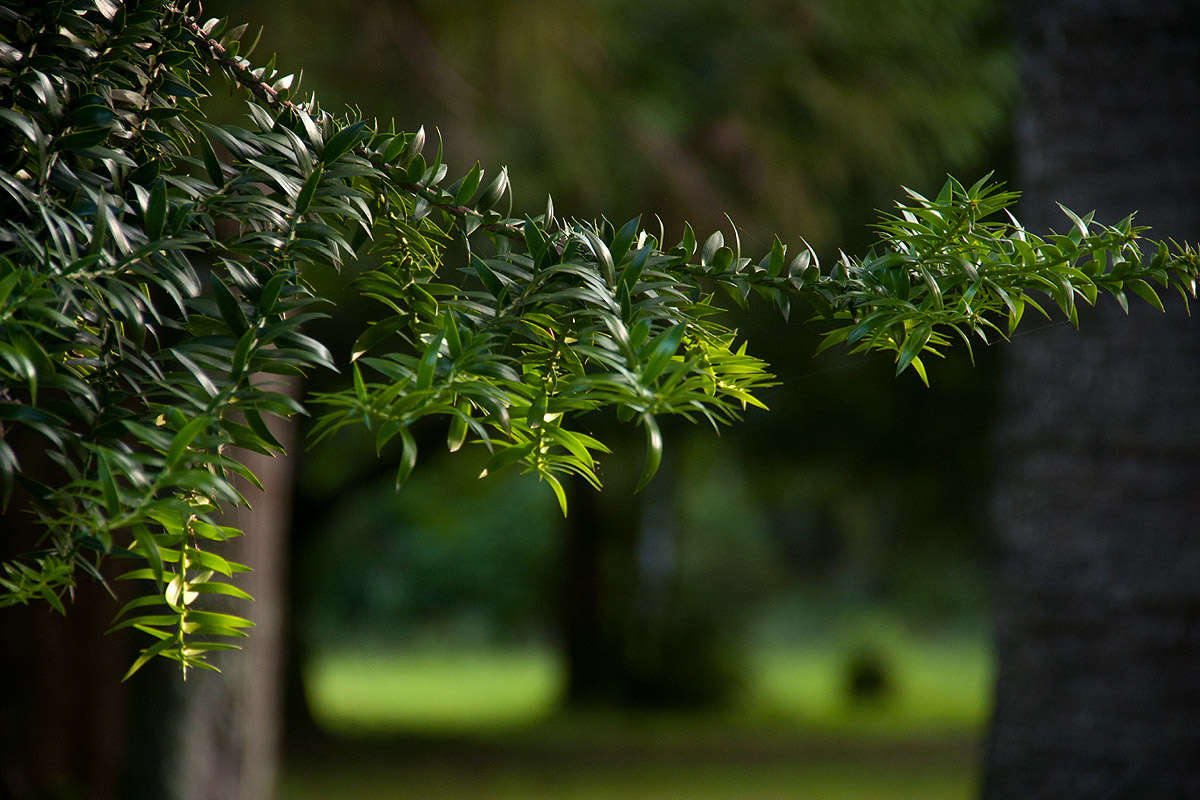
column 795, row 607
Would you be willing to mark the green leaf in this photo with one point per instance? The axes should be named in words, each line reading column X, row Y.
column 143, row 574
column 535, row 242
column 1079, row 224
column 624, row 239
column 914, row 343
column 778, row 256
column 374, row 334
column 228, row 306
column 946, row 194
column 711, row 245
column 408, row 457
column 1146, row 292
column 653, row 457
column 108, row 486
column 427, row 367
column 688, row 242
column 100, row 224
column 559, row 493
column 453, row 338
column 255, row 420
column 633, row 272
column 22, row 365
column 211, row 164
column 414, row 147
column 604, row 258
column 493, row 191
column 393, row 148
column 214, row 619
column 662, row 348
column 360, row 387
column 53, row 599
column 457, row 434
column 9, row 467
column 81, row 140
column 309, row 189
column 209, row 587
column 150, row 549
column 174, row 592
column 7, row 284
column 537, row 411
column 139, row 602
column 147, row 621
column 24, row 124
column 29, row 415
column 241, row 353
column 415, row 170
column 159, row 647
column 919, row 366
column 341, row 142
column 487, row 277
column 197, row 373
column 156, row 210
column 469, row 185
column 209, row 560
column 506, row 456
column 182, row 439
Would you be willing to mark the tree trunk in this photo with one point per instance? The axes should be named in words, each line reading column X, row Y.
column 70, row 728
column 1098, row 465
column 642, row 622
column 62, row 708
column 62, row 705
column 230, row 744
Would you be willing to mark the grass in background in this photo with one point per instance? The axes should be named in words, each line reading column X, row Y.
column 662, row 781
column 377, row 691
column 482, row 724
column 938, row 688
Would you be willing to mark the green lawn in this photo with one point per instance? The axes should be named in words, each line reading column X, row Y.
column 660, row 781
column 481, row 724
column 939, row 688
column 462, row 690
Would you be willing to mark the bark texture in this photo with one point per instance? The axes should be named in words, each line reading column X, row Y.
column 1098, row 446
column 229, row 747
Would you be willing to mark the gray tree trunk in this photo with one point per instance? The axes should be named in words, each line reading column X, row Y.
column 217, row 736
column 1097, row 492
column 229, row 748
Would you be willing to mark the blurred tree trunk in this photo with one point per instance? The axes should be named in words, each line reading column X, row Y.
column 637, row 628
column 62, row 705
column 62, row 708
column 70, row 728
column 230, row 744
column 217, row 736
column 590, row 652
column 1098, row 467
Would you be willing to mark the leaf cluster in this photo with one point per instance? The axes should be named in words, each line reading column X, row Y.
column 152, row 282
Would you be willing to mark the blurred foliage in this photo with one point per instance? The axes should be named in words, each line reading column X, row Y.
column 450, row 558
column 793, row 117
column 140, row 375
column 790, row 116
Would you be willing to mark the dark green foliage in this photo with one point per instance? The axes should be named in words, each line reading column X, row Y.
column 152, row 280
